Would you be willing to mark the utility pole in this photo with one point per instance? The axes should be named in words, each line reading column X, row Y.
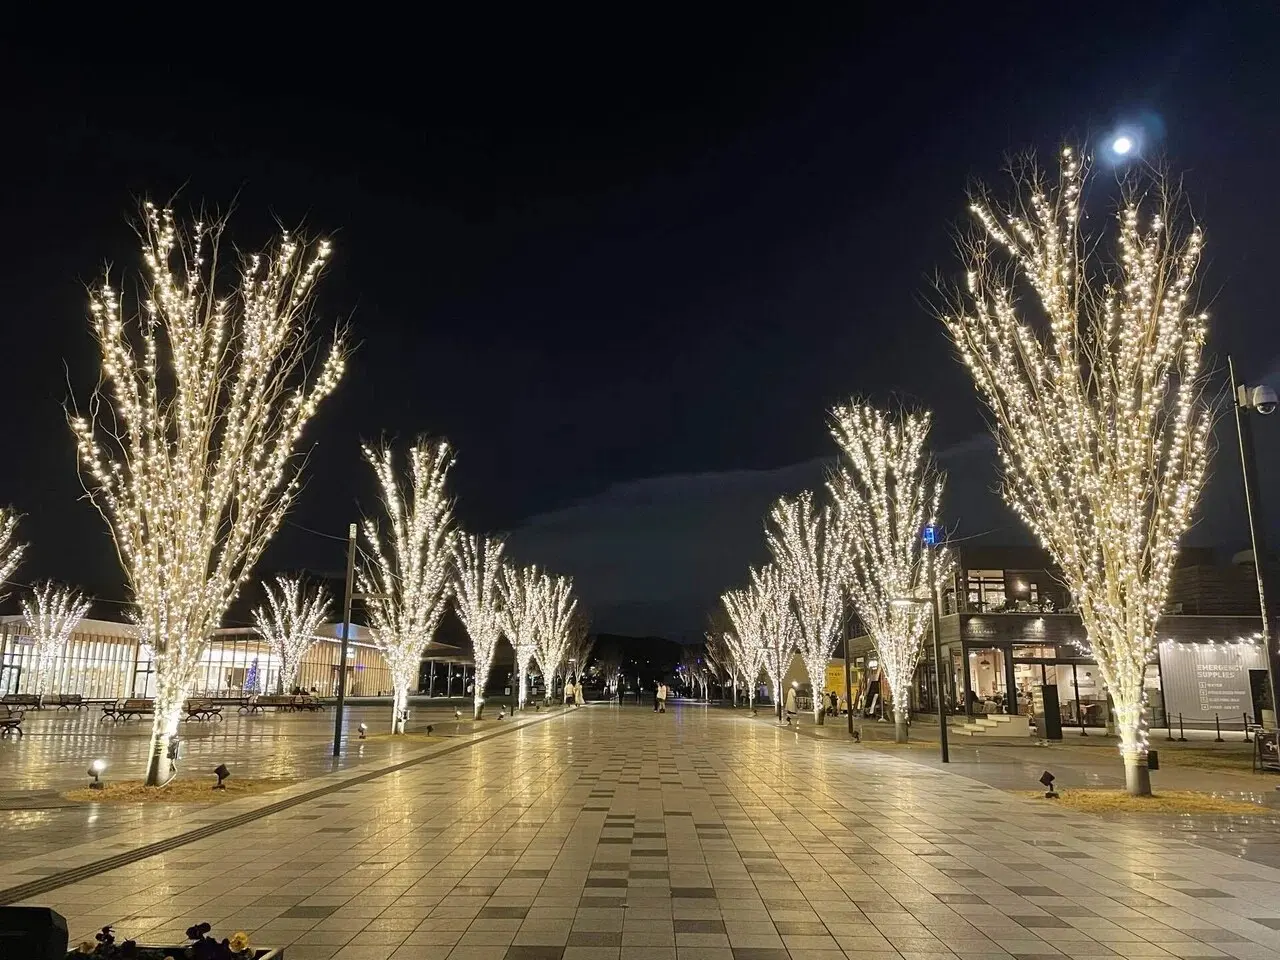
column 848, row 666
column 346, row 636
column 1262, row 401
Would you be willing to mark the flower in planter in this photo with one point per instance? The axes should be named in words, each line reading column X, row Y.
column 239, row 942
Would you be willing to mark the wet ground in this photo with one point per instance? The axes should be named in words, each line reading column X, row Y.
column 613, row 832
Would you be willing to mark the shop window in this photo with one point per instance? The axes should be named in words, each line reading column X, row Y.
column 987, row 688
column 985, row 590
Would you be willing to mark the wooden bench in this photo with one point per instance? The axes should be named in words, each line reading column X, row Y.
column 202, row 709
column 307, row 702
column 24, row 700
column 269, row 701
column 127, row 709
column 70, row 701
column 10, row 722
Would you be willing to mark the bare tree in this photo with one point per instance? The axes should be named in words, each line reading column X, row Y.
column 192, row 463
column 811, row 550
column 407, row 581
column 886, row 490
column 52, row 613
column 744, row 609
column 289, row 622
column 581, row 643
column 478, row 600
column 1097, row 408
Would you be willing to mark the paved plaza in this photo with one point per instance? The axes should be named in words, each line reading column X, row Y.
column 614, row 832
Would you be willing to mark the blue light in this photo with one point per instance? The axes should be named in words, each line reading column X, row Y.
column 931, row 535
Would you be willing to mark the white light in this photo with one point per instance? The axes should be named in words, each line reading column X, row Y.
column 98, row 766
column 1122, row 145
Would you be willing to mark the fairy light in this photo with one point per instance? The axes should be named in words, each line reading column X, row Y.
column 556, row 607
column 1100, row 422
column 522, row 598
column 810, row 550
column 745, row 641
column 887, row 489
column 407, row 580
column 289, row 621
column 51, row 613
column 779, row 630
column 10, row 550
column 478, row 601
column 189, row 448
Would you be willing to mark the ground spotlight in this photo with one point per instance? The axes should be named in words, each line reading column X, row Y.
column 502, row 713
column 429, row 729
column 363, row 729
column 222, row 772
column 457, row 713
column 1047, row 779
column 95, row 771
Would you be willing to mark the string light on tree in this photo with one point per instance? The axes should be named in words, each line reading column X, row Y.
column 406, row 582
column 478, row 601
column 746, row 640
column 779, row 630
column 51, row 613
column 522, row 598
column 557, row 607
column 189, row 448
column 289, row 622
column 886, row 491
column 10, row 550
column 1099, row 414
column 810, row 550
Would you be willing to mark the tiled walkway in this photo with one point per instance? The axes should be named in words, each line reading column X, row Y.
column 617, row 833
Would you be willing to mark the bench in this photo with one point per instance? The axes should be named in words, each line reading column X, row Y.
column 262, row 703
column 197, row 709
column 24, row 700
column 126, row 709
column 307, row 703
column 10, row 722
column 70, row 701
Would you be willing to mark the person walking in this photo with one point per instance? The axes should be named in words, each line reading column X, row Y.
column 835, row 703
column 568, row 693
column 662, row 698
column 791, row 708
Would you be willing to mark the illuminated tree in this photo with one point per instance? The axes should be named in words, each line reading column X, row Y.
column 809, row 548
column 1096, row 402
column 478, row 600
column 522, row 598
column 10, row 551
column 552, row 636
column 52, row 613
column 581, row 644
column 778, row 628
column 406, row 584
column 745, row 640
column 886, row 490
column 190, row 447
column 289, row 621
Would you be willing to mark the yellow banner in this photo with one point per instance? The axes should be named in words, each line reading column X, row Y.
column 835, row 679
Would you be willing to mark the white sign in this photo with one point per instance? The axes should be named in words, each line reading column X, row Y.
column 1204, row 679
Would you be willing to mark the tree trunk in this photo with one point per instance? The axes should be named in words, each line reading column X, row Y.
column 1137, row 776
column 479, row 705
column 164, row 724
column 899, row 725
column 399, row 704
column 521, row 684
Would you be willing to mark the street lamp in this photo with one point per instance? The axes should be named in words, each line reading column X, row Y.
column 1261, row 400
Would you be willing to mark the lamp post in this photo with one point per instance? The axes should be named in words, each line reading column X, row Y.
column 1260, row 400
column 930, row 537
column 346, row 636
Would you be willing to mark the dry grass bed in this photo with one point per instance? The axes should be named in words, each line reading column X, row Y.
column 179, row 791
column 1164, row 802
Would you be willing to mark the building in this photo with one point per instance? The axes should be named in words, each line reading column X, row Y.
column 104, row 660
column 1009, row 631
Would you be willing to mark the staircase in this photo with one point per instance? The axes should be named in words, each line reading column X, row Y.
column 995, row 725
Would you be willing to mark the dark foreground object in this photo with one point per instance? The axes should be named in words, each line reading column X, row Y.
column 35, row 932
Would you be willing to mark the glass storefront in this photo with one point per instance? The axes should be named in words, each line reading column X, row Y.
column 103, row 666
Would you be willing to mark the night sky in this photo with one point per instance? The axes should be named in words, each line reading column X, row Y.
column 624, row 265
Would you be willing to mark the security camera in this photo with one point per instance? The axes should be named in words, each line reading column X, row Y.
column 1262, row 399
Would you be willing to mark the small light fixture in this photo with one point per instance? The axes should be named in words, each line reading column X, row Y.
column 457, row 713
column 502, row 713
column 429, row 729
column 363, row 729
column 95, row 771
column 1047, row 779
column 222, row 772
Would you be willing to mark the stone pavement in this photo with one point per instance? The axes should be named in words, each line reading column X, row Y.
column 613, row 832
